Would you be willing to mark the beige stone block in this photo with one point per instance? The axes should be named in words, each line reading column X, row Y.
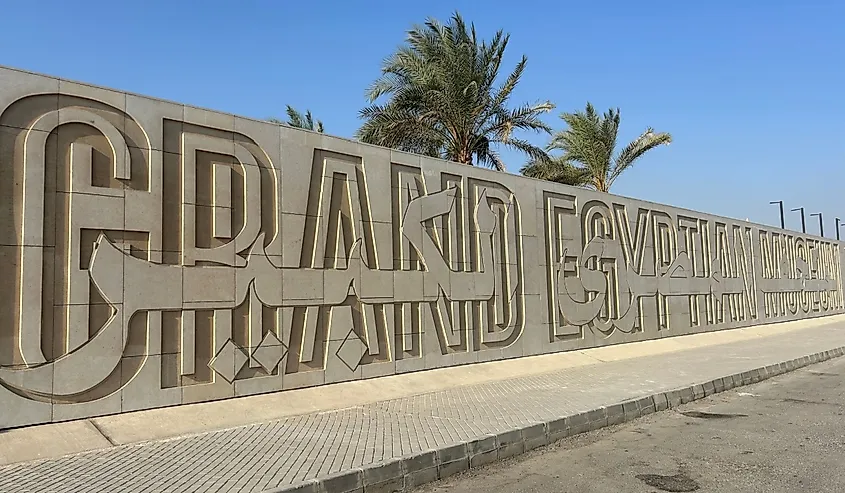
column 489, row 354
column 344, row 359
column 378, row 369
column 536, row 339
column 408, row 285
column 515, row 349
column 71, row 267
column 153, row 123
column 92, row 153
column 434, row 359
column 169, row 284
column 377, row 176
column 36, row 181
column 219, row 389
column 145, row 334
column 92, row 97
column 307, row 336
column 94, row 362
column 17, row 85
column 284, row 320
column 304, row 379
column 302, row 285
column 410, row 364
column 559, row 346
column 432, row 171
column 404, row 158
column 260, row 384
column 31, row 305
column 342, row 325
column 338, row 284
column 221, row 200
column 9, row 258
column 293, row 232
column 208, row 286
column 27, row 376
column 465, row 357
column 437, row 283
column 533, row 250
column 297, row 158
column 338, row 145
column 110, row 404
column 267, row 280
column 382, row 234
column 262, row 139
column 376, row 285
column 11, row 173
column 522, row 206
column 18, row 411
column 208, row 118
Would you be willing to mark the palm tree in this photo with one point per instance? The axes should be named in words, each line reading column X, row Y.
column 443, row 101
column 298, row 120
column 588, row 146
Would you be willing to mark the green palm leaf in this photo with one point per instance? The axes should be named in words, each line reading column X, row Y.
column 442, row 97
column 587, row 146
column 297, row 119
column 557, row 170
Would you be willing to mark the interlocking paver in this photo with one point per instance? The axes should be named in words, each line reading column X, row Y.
column 267, row 455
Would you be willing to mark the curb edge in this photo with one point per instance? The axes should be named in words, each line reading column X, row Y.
column 411, row 471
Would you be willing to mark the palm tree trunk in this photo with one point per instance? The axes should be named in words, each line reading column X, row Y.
column 600, row 185
column 465, row 156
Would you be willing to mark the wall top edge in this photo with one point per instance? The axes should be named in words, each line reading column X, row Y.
column 550, row 186
column 242, row 117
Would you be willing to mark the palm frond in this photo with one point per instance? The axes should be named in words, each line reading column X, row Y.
column 647, row 141
column 527, row 148
column 298, row 120
column 390, row 126
column 587, row 144
column 557, row 170
column 295, row 118
column 487, row 156
column 584, row 141
column 441, row 95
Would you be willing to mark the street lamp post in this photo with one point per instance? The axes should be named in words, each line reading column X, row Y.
column 837, row 228
column 803, row 223
column 821, row 223
column 780, row 205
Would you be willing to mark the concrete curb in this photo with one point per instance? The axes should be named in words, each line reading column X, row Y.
column 406, row 473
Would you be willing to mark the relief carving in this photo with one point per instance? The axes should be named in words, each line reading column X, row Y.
column 162, row 255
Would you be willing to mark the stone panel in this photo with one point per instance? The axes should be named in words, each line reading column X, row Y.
column 156, row 254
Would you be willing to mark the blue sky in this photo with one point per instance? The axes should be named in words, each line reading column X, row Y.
column 753, row 92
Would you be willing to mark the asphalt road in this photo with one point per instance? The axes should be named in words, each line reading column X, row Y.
column 786, row 434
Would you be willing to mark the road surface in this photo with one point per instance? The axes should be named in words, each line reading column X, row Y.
column 786, row 434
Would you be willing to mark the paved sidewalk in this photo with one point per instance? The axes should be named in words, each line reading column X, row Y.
column 278, row 453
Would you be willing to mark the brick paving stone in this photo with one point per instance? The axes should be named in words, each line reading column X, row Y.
column 257, row 457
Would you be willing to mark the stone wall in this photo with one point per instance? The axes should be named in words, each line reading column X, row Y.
column 156, row 254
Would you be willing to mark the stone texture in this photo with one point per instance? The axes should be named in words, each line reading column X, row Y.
column 270, row 352
column 162, row 254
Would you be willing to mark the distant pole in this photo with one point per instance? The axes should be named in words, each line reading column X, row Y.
column 803, row 223
column 780, row 204
column 837, row 228
column 821, row 223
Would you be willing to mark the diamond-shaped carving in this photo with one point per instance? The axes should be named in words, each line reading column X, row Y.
column 270, row 352
column 351, row 350
column 229, row 361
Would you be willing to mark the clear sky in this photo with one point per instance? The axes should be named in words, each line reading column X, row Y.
column 753, row 92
